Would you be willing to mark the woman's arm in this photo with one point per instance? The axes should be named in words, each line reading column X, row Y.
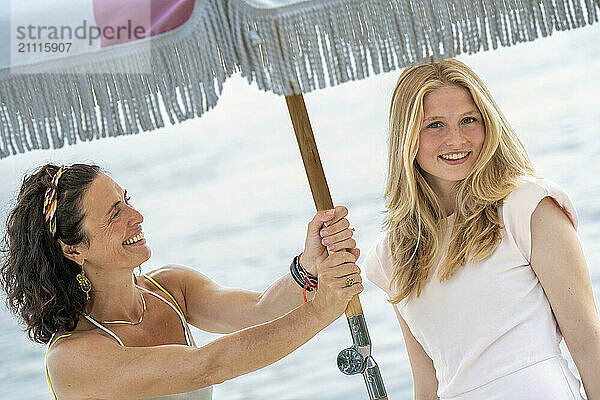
column 559, row 263
column 214, row 308
column 424, row 379
column 93, row 366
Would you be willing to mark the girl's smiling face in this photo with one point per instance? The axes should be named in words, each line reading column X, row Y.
column 451, row 137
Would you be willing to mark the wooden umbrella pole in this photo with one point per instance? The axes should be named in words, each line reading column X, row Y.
column 312, row 164
column 322, row 198
column 314, row 169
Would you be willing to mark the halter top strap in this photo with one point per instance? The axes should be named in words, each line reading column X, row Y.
column 205, row 393
column 105, row 329
column 188, row 335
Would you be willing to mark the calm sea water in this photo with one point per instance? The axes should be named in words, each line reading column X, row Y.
column 227, row 195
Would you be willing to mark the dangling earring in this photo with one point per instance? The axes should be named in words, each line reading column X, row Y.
column 84, row 283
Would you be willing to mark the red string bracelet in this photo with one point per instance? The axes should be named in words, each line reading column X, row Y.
column 314, row 285
column 307, row 281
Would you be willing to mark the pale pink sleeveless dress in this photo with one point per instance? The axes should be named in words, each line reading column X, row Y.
column 490, row 330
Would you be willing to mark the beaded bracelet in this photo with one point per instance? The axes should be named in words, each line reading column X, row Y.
column 306, row 281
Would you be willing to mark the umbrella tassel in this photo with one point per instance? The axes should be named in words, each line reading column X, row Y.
column 23, row 108
column 153, row 101
column 14, row 125
column 54, row 120
column 102, row 97
column 88, row 106
column 114, row 102
column 3, row 132
column 41, row 108
column 57, row 93
column 141, row 105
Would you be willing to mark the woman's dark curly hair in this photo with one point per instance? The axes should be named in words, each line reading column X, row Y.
column 39, row 281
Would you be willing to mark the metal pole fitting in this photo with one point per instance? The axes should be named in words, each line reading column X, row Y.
column 357, row 359
column 373, row 380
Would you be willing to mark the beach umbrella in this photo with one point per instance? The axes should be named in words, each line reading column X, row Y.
column 83, row 70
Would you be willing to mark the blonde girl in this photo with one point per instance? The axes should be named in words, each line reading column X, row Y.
column 479, row 258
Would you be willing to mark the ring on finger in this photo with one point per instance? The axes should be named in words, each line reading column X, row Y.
column 349, row 282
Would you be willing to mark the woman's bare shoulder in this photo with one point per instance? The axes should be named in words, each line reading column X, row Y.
column 172, row 278
column 69, row 349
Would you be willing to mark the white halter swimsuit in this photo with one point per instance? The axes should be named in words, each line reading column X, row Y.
column 201, row 394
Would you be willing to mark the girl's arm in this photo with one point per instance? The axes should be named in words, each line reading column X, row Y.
column 559, row 263
column 424, row 379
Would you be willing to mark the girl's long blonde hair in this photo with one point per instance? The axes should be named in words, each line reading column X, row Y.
column 415, row 219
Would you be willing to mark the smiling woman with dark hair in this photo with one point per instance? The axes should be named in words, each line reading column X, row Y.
column 72, row 243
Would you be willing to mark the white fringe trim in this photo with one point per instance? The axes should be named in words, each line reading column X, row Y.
column 297, row 48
